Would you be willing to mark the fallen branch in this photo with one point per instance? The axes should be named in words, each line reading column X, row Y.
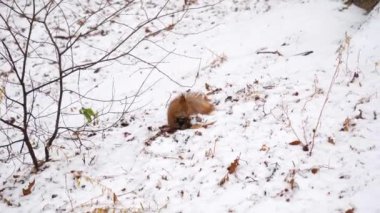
column 269, row 52
column 164, row 131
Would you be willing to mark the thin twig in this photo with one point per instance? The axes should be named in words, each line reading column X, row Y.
column 344, row 46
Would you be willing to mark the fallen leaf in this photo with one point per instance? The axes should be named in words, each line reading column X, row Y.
column 295, row 143
column 224, row 180
column 314, row 170
column 331, row 140
column 264, row 148
column 28, row 190
column 207, row 86
column 232, row 168
column 346, row 124
column 169, row 27
column 190, row 2
column 76, row 174
column 292, row 183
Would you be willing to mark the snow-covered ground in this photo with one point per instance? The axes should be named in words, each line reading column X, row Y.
column 268, row 66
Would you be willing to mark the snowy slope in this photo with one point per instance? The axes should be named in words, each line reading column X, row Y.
column 272, row 89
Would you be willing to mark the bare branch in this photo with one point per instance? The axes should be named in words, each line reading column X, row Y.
column 11, row 124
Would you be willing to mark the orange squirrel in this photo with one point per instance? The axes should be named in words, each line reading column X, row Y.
column 187, row 104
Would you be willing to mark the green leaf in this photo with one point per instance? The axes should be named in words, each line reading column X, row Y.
column 88, row 113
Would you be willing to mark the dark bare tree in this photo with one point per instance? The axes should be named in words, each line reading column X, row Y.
column 45, row 44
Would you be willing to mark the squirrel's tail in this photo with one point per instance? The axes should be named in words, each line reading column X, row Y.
column 198, row 103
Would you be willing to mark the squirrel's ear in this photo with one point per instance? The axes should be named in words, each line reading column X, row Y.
column 182, row 99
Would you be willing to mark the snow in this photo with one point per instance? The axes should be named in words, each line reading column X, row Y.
column 182, row 172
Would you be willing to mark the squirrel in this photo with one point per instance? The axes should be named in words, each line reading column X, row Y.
column 185, row 105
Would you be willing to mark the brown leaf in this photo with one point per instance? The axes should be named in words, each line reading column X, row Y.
column 232, row 168
column 170, row 27
column 264, row 148
column 28, row 190
column 314, row 170
column 346, row 124
column 350, row 210
column 76, row 174
column 224, row 180
column 331, row 140
column 154, row 33
column 296, row 142
column 207, row 87
column 292, row 183
column 190, row 2
column 147, row 30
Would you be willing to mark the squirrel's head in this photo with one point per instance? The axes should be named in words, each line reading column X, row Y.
column 183, row 122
